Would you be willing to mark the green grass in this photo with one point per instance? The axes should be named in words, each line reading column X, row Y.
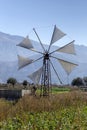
column 56, row 90
column 60, row 89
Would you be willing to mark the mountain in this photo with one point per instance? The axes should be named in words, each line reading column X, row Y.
column 9, row 60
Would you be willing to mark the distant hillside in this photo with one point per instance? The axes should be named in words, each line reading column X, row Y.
column 9, row 61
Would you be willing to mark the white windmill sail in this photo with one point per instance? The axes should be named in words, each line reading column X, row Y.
column 69, row 48
column 22, row 61
column 35, row 77
column 68, row 67
column 26, row 43
column 57, row 34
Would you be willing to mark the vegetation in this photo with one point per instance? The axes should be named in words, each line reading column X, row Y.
column 25, row 83
column 12, row 81
column 63, row 111
column 78, row 81
column 60, row 89
column 85, row 80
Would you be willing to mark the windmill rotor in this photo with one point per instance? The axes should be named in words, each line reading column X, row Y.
column 43, row 74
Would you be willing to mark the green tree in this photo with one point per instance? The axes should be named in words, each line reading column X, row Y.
column 85, row 80
column 12, row 81
column 25, row 83
column 77, row 81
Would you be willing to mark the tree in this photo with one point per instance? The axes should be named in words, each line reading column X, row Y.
column 25, row 83
column 85, row 80
column 77, row 81
column 12, row 81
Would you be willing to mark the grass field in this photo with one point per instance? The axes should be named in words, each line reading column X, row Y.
column 56, row 90
column 60, row 111
column 60, row 89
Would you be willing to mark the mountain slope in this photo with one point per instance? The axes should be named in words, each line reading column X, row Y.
column 9, row 61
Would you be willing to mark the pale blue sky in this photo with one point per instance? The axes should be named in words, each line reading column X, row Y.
column 18, row 17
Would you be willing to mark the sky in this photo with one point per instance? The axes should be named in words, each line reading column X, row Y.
column 19, row 17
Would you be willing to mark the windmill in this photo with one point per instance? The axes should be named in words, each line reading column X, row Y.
column 43, row 74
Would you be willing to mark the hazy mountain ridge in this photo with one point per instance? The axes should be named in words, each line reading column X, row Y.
column 9, row 61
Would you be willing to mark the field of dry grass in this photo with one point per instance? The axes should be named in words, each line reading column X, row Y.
column 40, row 104
column 31, row 106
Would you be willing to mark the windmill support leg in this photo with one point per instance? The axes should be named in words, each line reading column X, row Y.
column 46, row 76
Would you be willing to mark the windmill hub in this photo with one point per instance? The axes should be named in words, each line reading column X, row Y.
column 46, row 56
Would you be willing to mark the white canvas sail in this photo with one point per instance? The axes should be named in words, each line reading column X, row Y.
column 57, row 34
column 26, row 43
column 35, row 77
column 68, row 67
column 22, row 61
column 69, row 48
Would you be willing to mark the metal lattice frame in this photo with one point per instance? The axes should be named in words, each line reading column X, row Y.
column 46, row 76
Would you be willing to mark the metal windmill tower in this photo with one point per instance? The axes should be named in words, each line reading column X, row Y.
column 43, row 74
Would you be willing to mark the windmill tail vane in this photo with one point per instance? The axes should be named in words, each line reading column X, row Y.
column 43, row 74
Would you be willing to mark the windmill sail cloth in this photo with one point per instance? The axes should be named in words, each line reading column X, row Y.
column 68, row 67
column 69, row 48
column 35, row 77
column 57, row 34
column 22, row 61
column 26, row 43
